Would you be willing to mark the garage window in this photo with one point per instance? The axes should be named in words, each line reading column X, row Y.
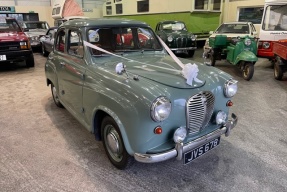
column 251, row 14
column 143, row 6
column 119, row 8
column 109, row 10
column 207, row 5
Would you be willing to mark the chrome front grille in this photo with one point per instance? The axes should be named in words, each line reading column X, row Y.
column 199, row 109
column 181, row 42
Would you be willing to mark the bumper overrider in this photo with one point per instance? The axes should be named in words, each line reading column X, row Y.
column 181, row 148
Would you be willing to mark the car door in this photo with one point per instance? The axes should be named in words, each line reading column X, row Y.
column 71, row 70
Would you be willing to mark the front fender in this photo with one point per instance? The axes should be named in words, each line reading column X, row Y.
column 246, row 56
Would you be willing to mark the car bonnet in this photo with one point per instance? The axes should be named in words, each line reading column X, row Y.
column 162, row 70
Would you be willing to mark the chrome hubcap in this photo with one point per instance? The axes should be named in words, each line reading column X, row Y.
column 55, row 94
column 113, row 142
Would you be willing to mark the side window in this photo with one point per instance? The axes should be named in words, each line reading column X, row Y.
column 60, row 43
column 75, row 44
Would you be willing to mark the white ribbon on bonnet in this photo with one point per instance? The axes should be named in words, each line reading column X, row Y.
column 189, row 70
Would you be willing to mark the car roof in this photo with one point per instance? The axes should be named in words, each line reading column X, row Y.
column 171, row 21
column 103, row 22
column 237, row 22
column 34, row 22
column 51, row 28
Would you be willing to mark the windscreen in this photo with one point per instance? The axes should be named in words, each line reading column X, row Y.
column 173, row 26
column 9, row 25
column 123, row 39
column 36, row 26
column 275, row 18
column 233, row 28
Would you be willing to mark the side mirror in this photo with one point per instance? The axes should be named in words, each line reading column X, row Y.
column 211, row 32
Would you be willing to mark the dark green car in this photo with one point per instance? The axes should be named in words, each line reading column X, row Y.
column 176, row 36
column 115, row 77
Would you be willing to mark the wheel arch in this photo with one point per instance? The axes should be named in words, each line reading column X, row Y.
column 99, row 114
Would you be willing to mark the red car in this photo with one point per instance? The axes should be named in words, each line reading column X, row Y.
column 14, row 44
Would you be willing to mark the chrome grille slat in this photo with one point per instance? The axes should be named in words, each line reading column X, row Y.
column 199, row 109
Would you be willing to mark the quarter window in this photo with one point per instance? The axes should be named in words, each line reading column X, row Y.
column 60, row 43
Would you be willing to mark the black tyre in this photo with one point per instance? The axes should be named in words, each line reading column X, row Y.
column 248, row 71
column 190, row 53
column 114, row 145
column 30, row 61
column 212, row 58
column 278, row 71
column 55, row 96
column 44, row 52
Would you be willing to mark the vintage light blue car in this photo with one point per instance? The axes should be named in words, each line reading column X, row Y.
column 135, row 97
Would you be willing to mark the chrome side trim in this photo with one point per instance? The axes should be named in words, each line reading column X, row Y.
column 153, row 158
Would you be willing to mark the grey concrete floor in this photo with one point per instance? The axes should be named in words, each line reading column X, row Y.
column 43, row 148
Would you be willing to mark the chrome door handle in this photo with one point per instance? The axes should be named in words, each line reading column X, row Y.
column 62, row 63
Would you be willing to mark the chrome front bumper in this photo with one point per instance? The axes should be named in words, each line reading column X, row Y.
column 183, row 48
column 180, row 149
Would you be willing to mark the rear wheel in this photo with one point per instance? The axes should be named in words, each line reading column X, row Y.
column 55, row 96
column 30, row 61
column 114, row 145
column 248, row 71
column 278, row 71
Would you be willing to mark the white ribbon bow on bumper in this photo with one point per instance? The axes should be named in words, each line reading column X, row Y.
column 189, row 71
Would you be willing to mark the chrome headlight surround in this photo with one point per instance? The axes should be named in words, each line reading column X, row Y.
column 230, row 88
column 193, row 37
column 247, row 42
column 169, row 39
column 160, row 109
column 266, row 45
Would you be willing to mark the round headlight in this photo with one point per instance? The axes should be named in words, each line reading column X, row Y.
column 230, row 88
column 193, row 37
column 266, row 45
column 179, row 135
column 160, row 109
column 247, row 42
column 221, row 117
column 170, row 39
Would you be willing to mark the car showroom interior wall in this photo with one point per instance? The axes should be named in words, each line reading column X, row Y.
column 44, row 12
column 231, row 9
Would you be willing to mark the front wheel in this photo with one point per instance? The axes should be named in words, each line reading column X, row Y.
column 30, row 61
column 191, row 53
column 278, row 71
column 212, row 58
column 114, row 145
column 248, row 71
column 55, row 96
